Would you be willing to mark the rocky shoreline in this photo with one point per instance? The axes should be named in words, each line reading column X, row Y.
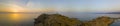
column 61, row 20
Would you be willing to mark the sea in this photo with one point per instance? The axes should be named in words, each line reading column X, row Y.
column 27, row 19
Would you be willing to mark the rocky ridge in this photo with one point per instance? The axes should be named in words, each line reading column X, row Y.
column 60, row 20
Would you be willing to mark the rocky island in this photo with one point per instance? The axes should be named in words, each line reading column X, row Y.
column 61, row 20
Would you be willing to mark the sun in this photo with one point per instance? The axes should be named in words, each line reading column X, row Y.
column 16, row 8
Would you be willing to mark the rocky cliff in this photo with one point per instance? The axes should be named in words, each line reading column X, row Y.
column 60, row 20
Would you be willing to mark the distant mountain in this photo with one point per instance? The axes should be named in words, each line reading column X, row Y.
column 113, row 13
column 107, row 12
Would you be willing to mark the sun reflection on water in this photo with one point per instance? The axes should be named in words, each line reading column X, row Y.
column 15, row 17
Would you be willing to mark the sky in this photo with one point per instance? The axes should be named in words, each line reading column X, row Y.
column 59, row 5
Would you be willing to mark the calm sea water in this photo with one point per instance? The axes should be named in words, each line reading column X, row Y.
column 17, row 19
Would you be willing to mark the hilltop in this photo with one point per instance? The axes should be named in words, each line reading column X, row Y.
column 61, row 20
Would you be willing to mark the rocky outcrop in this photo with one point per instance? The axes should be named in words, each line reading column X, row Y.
column 55, row 20
column 100, row 21
column 60, row 20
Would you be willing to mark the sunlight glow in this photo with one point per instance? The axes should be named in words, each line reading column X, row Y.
column 16, row 8
column 15, row 17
